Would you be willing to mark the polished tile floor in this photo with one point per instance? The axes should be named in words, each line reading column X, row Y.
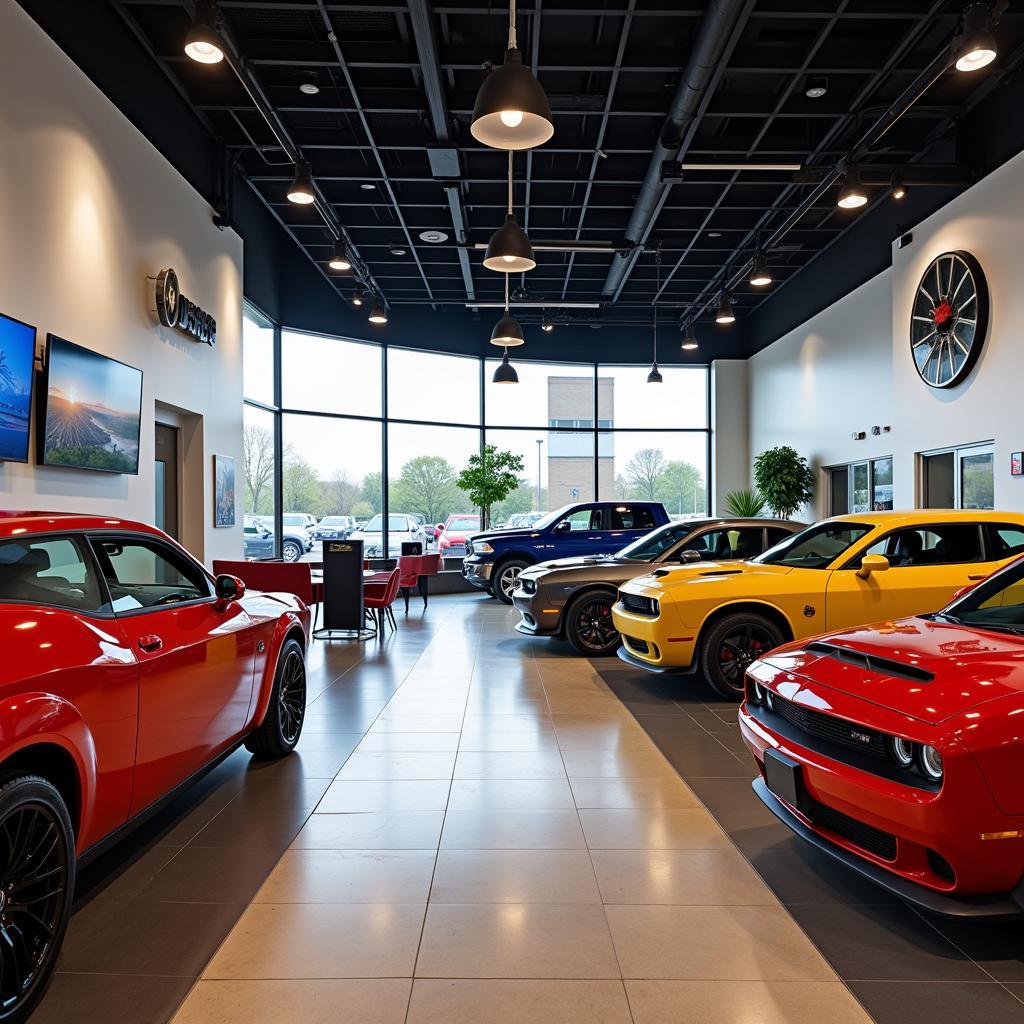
column 481, row 827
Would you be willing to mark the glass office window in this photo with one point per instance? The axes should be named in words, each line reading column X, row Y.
column 546, row 392
column 959, row 478
column 625, row 399
column 431, row 386
column 257, row 358
column 320, row 374
column 665, row 466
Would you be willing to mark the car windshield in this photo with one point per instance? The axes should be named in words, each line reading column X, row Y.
column 396, row 524
column 650, row 545
column 331, row 521
column 290, row 519
column 552, row 517
column 464, row 523
column 996, row 603
column 816, row 547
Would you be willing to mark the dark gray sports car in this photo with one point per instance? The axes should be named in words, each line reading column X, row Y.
column 573, row 597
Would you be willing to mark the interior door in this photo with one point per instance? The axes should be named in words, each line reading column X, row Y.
column 166, row 479
column 196, row 659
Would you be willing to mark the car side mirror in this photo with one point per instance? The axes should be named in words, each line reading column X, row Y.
column 689, row 556
column 870, row 564
column 563, row 527
column 440, row 527
column 228, row 588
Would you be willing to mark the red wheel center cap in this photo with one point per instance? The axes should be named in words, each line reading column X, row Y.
column 943, row 314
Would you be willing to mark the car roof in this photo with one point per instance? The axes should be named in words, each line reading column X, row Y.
column 925, row 516
column 19, row 523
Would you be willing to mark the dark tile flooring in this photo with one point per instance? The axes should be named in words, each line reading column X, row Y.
column 902, row 964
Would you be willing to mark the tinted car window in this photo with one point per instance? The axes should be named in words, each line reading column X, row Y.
column 1005, row 540
column 143, row 573
column 584, row 519
column 648, row 547
column 931, row 545
column 776, row 536
column 624, row 518
column 52, row 571
column 817, row 546
column 744, row 542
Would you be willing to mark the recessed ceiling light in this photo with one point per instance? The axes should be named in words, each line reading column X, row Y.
column 397, row 251
column 367, row 186
column 714, row 234
column 309, row 88
column 817, row 86
column 433, row 236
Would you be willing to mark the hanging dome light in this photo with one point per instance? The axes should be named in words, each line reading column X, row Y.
column 654, row 377
column 340, row 260
column 977, row 48
column 511, row 109
column 301, row 189
column 505, row 372
column 509, row 250
column 202, row 43
column 507, row 333
column 760, row 275
column 689, row 339
column 358, row 298
column 378, row 313
column 546, row 325
column 725, row 315
column 852, row 195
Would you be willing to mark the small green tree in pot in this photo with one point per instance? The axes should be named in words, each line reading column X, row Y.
column 744, row 504
column 784, row 480
column 490, row 477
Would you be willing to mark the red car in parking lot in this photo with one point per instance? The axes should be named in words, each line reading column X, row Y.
column 898, row 748
column 128, row 672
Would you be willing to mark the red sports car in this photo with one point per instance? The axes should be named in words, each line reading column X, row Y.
column 128, row 671
column 898, row 748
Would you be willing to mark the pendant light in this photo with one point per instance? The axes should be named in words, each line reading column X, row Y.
column 505, row 372
column 202, row 43
column 689, row 339
column 852, row 195
column 378, row 313
column 654, row 377
column 509, row 250
column 760, row 275
column 511, row 110
column 898, row 190
column 340, row 260
column 977, row 48
column 301, row 189
column 725, row 314
column 507, row 333
column 358, row 298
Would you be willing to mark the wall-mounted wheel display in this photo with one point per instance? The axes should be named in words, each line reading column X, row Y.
column 949, row 320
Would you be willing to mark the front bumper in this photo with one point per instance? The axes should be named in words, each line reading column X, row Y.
column 649, row 642
column 541, row 616
column 477, row 573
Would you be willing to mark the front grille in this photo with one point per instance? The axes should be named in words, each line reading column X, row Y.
column 639, row 605
column 835, row 730
column 638, row 645
column 456, row 550
column 940, row 866
column 874, row 840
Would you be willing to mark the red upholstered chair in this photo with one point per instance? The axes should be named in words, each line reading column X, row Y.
column 286, row 577
column 415, row 571
column 379, row 596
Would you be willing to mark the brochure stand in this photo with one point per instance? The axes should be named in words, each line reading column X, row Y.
column 344, row 613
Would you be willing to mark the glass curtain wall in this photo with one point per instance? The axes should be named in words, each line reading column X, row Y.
column 261, row 441
column 370, row 434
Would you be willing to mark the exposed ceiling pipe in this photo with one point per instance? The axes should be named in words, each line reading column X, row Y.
column 716, row 29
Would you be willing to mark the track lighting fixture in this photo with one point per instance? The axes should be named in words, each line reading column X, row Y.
column 976, row 47
column 898, row 190
column 301, row 189
column 509, row 250
column 378, row 313
column 725, row 314
column 689, row 339
column 760, row 275
column 202, row 43
column 511, row 109
column 654, row 377
column 340, row 260
column 505, row 372
column 358, row 298
column 507, row 332
column 852, row 194
column 547, row 326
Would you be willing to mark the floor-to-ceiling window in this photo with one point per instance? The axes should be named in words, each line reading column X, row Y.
column 364, row 429
column 260, row 441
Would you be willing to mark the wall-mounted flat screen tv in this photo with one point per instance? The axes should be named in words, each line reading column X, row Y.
column 17, row 358
column 93, row 410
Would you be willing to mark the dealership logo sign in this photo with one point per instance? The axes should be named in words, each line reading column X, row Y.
column 175, row 310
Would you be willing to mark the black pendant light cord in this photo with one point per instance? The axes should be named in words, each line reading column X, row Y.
column 506, row 294
column 510, row 182
column 512, row 24
column 654, row 301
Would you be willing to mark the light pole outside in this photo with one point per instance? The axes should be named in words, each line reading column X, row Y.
column 540, row 441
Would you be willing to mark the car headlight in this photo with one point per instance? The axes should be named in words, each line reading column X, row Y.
column 931, row 763
column 902, row 751
column 481, row 547
column 756, row 686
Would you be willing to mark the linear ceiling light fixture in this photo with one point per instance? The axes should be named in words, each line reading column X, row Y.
column 511, row 109
column 507, row 332
column 977, row 47
column 525, row 304
column 202, row 43
column 746, row 166
column 300, row 191
column 509, row 250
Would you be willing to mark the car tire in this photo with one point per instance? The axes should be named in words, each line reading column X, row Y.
column 588, row 624
column 730, row 645
column 291, row 551
column 506, row 578
column 281, row 727
column 29, row 801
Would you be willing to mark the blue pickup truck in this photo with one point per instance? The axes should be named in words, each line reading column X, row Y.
column 495, row 559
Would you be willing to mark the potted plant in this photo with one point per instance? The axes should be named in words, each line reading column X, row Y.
column 744, row 504
column 784, row 479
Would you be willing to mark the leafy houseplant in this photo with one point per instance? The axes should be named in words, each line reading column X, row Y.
column 744, row 504
column 784, row 479
column 490, row 477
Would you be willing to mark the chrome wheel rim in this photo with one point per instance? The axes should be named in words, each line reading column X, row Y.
column 291, row 553
column 739, row 648
column 291, row 701
column 594, row 626
column 33, row 892
column 510, row 580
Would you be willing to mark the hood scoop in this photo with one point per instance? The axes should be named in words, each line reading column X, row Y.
column 870, row 662
column 658, row 573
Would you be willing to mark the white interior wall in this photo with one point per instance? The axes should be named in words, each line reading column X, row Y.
column 89, row 209
column 730, row 428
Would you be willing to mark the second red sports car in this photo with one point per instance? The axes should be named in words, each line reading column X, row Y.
column 898, row 748
column 128, row 671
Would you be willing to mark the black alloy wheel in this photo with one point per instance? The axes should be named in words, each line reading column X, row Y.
column 37, row 873
column 291, row 701
column 589, row 625
column 731, row 645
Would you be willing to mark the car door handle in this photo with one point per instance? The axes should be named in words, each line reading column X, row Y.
column 977, row 575
column 150, row 643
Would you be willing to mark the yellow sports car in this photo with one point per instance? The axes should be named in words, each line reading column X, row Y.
column 845, row 571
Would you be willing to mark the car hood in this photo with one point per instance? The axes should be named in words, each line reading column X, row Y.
column 924, row 668
column 492, row 535
column 587, row 562
column 668, row 579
